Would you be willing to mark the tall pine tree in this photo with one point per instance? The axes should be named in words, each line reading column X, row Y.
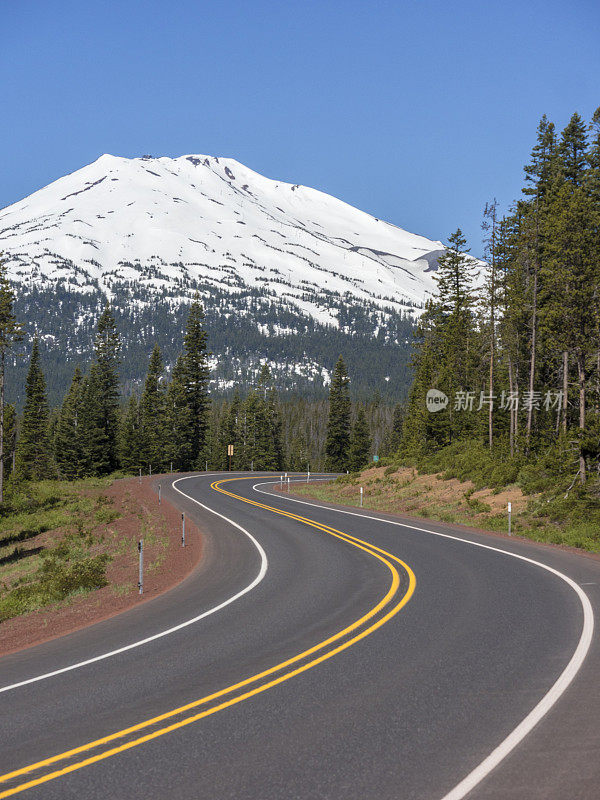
column 11, row 332
column 69, row 440
column 130, row 437
column 179, row 430
column 337, row 442
column 106, row 386
column 152, row 415
column 360, row 442
column 33, row 456
column 196, row 370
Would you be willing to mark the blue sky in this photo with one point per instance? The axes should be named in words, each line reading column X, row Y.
column 417, row 111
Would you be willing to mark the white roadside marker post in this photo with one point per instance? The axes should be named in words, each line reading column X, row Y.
column 308, row 476
column 509, row 518
column 361, row 496
column 150, row 469
column 183, row 529
column 159, row 494
column 281, row 482
column 140, row 475
column 288, row 482
column 171, row 466
column 141, row 566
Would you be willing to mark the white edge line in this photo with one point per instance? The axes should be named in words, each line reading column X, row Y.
column 261, row 574
column 548, row 700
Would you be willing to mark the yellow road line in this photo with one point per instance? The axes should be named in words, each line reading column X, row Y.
column 377, row 552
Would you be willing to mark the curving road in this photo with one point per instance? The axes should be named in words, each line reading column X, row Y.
column 318, row 653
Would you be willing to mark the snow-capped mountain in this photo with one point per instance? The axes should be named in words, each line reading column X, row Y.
column 149, row 232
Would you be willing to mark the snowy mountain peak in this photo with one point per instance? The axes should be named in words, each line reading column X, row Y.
column 288, row 274
column 167, row 224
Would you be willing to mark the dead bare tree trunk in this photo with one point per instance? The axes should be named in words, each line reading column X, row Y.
column 533, row 354
column 581, row 379
column 512, row 418
column 565, row 389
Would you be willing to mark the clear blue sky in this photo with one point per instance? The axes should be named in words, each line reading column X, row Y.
column 418, row 111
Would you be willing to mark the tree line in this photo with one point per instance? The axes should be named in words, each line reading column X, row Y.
column 516, row 350
column 174, row 424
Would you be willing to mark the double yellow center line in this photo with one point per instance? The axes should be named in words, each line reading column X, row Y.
column 377, row 616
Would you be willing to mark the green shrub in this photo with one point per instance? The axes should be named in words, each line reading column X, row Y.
column 61, row 579
column 57, row 579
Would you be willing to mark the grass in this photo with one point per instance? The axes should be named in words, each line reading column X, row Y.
column 466, row 487
column 68, row 557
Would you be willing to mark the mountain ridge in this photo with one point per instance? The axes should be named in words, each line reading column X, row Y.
column 147, row 233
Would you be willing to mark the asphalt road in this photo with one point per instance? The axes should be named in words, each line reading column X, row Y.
column 404, row 691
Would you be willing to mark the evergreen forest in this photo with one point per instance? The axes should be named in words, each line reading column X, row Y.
column 517, row 353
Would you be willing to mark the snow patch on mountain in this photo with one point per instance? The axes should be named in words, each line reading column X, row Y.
column 161, row 227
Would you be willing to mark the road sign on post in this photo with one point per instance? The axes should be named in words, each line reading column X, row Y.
column 230, row 453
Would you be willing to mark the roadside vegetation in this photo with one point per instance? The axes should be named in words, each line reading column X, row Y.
column 50, row 550
column 466, row 486
column 60, row 539
column 505, row 401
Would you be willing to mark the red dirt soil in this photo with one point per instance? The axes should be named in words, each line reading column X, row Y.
column 138, row 504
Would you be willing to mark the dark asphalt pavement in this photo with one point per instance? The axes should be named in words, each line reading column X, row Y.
column 406, row 712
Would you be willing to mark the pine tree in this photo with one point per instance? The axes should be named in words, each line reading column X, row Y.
column 33, row 457
column 130, row 438
column 11, row 332
column 360, row 442
column 338, row 427
column 178, row 420
column 69, row 441
column 539, row 174
column 454, row 345
column 93, row 422
column 195, row 361
column 269, row 422
column 491, row 298
column 396, row 432
column 573, row 151
column 273, row 414
column 106, row 386
column 152, row 415
column 593, row 174
column 10, row 438
column 455, row 276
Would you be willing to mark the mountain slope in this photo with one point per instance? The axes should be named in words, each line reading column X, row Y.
column 287, row 273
